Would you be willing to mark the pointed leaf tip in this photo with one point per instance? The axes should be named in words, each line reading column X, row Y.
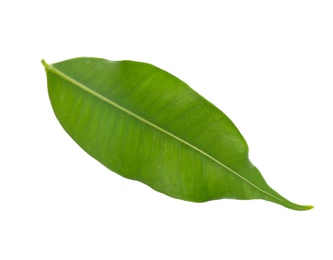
column 309, row 207
column 304, row 207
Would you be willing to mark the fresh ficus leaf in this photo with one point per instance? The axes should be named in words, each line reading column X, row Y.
column 147, row 125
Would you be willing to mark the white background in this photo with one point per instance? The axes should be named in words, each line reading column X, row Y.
column 267, row 64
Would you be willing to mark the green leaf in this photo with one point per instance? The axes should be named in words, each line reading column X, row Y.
column 147, row 125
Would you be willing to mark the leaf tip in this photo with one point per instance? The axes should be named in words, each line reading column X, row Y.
column 307, row 207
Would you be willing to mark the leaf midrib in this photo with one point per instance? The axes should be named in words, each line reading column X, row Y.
column 90, row 91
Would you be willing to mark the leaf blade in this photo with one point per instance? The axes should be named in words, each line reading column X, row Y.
column 128, row 93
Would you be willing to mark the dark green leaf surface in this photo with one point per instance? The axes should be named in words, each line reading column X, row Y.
column 147, row 125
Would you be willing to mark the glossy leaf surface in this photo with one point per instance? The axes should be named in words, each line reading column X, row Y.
column 147, row 125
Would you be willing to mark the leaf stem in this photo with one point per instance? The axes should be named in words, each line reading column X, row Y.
column 46, row 66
